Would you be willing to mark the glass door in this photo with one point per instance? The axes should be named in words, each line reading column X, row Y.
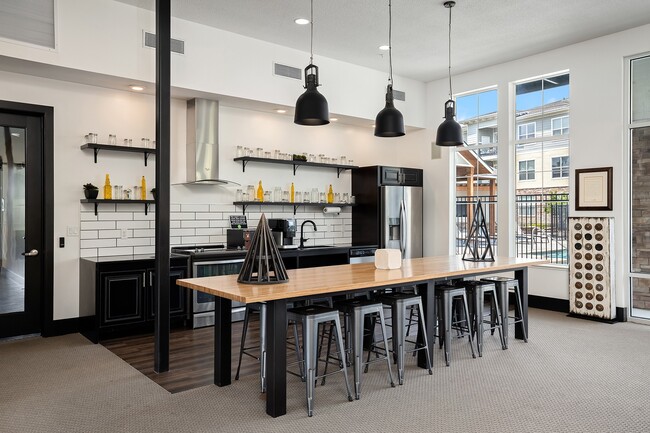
column 21, row 208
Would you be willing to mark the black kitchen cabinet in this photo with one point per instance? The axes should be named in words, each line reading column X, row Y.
column 117, row 296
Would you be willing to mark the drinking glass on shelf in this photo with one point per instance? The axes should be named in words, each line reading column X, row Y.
column 126, row 142
column 277, row 194
column 116, row 192
column 239, row 195
column 250, row 192
column 145, row 142
column 321, row 197
column 240, row 152
column 285, row 196
column 312, row 157
column 260, row 152
column 346, row 197
column 350, row 162
column 344, row 160
column 136, row 193
column 127, row 194
column 326, row 160
column 314, row 195
column 267, row 155
column 337, row 197
column 267, row 196
column 305, row 197
column 335, row 161
column 112, row 139
column 321, row 157
column 297, row 197
column 92, row 136
column 276, row 154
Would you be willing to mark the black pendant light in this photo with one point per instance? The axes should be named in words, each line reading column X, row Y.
column 450, row 132
column 311, row 106
column 389, row 121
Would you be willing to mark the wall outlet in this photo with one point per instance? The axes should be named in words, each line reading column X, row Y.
column 73, row 231
column 124, row 233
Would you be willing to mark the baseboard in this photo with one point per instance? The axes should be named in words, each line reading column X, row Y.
column 61, row 327
column 551, row 304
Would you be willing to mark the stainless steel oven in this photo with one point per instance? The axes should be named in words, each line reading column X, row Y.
column 202, row 303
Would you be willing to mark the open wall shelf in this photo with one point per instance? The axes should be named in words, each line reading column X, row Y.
column 97, row 201
column 339, row 167
column 96, row 147
column 245, row 204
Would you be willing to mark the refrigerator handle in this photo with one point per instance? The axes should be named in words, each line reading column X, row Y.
column 403, row 228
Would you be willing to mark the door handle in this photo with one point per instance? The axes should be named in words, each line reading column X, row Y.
column 402, row 221
column 31, row 253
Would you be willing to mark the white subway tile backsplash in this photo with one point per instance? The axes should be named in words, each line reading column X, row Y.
column 144, row 250
column 109, row 234
column 194, row 224
column 96, row 243
column 114, row 216
column 97, row 225
column 189, row 224
column 195, row 208
column 121, row 251
column 144, row 233
column 195, row 239
column 133, row 224
column 132, row 242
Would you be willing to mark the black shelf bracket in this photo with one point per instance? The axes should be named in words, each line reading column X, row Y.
column 243, row 166
column 96, row 204
column 96, row 151
column 339, row 170
column 146, row 156
column 295, row 167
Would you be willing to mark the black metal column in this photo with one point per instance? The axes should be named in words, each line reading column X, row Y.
column 222, row 341
column 163, row 84
column 522, row 276
column 276, row 358
column 427, row 293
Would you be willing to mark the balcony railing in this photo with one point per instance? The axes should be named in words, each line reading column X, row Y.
column 541, row 224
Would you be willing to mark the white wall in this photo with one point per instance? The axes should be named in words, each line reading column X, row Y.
column 598, row 134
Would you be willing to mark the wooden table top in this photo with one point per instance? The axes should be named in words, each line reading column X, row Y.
column 340, row 278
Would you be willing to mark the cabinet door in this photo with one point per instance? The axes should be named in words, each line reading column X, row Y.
column 390, row 176
column 177, row 294
column 122, row 297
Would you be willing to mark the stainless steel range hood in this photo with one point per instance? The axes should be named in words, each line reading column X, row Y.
column 203, row 142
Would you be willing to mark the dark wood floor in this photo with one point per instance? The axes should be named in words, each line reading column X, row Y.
column 190, row 356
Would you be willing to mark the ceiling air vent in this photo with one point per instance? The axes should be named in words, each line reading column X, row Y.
column 399, row 95
column 287, row 71
column 177, row 46
column 28, row 21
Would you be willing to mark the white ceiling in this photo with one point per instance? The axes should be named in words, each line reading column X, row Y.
column 485, row 32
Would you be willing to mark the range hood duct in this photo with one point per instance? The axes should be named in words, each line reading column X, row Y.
column 203, row 142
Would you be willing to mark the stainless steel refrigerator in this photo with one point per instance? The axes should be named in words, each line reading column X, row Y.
column 388, row 209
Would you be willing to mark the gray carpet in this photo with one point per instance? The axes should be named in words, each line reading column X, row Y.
column 573, row 376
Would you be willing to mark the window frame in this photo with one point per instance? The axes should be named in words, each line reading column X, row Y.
column 527, row 137
column 527, row 171
column 561, row 168
column 561, row 128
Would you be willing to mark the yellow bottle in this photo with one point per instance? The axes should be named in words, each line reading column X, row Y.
column 143, row 189
column 260, row 192
column 108, row 189
column 293, row 193
column 330, row 195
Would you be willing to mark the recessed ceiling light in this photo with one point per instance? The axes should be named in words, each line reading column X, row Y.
column 384, row 47
column 333, row 119
column 281, row 111
column 301, row 21
column 15, row 134
column 136, row 88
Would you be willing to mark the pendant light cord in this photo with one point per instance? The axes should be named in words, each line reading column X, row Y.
column 311, row 25
column 390, row 43
column 449, row 51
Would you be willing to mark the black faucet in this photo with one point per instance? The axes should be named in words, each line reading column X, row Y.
column 302, row 228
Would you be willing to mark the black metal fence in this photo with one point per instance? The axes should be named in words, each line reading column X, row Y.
column 541, row 224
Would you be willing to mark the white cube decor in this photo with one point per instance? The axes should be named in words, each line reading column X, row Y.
column 387, row 258
column 591, row 266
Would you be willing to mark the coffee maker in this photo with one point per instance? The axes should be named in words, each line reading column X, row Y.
column 283, row 230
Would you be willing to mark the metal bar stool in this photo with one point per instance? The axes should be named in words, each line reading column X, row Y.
column 311, row 316
column 357, row 309
column 446, row 294
column 477, row 291
column 506, row 285
column 243, row 350
column 399, row 304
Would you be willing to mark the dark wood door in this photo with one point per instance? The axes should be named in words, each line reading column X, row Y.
column 21, row 224
column 177, row 294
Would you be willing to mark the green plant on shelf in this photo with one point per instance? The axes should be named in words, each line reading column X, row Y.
column 90, row 191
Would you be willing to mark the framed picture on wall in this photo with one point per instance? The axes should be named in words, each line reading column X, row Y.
column 594, row 188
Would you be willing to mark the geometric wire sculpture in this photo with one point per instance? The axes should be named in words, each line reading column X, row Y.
column 263, row 264
column 478, row 247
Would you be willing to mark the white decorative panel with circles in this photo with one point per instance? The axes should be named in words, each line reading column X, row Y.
column 591, row 266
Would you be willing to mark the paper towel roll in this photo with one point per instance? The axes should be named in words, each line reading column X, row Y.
column 331, row 209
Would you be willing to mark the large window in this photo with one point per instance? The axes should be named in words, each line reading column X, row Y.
column 639, row 129
column 476, row 163
column 542, row 167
